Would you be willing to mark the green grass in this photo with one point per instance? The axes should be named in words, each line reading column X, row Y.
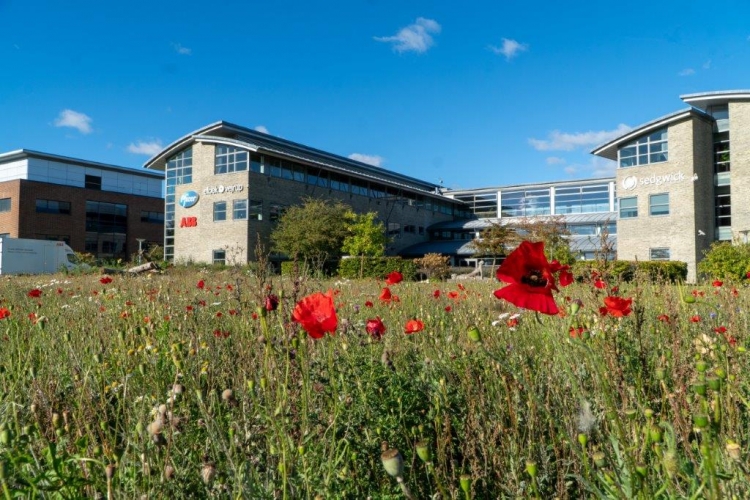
column 149, row 385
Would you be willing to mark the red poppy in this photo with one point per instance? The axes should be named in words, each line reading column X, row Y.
column 618, row 307
column 448, row 309
column 721, row 329
column 717, row 283
column 232, row 312
column 369, row 304
column 254, row 315
column 221, row 334
column 385, row 295
column 413, row 326
column 4, row 313
column 461, row 287
column 663, row 318
column 531, row 279
column 576, row 332
column 201, row 284
column 695, row 319
column 600, row 284
column 272, row 302
column 316, row 314
column 512, row 322
column 453, row 295
column 394, row 278
column 375, row 328
column 219, row 314
column 35, row 293
column 105, row 280
column 436, row 294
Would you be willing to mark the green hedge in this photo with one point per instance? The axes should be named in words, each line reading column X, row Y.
column 377, row 267
column 672, row 271
column 304, row 269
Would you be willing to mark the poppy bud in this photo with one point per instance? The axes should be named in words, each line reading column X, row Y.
column 393, row 462
column 575, row 306
column 583, row 439
column 713, row 383
column 599, row 459
column 465, row 481
column 648, row 413
column 700, row 388
column 701, row 366
column 423, row 451
column 531, row 468
column 700, row 420
column 208, row 472
column 272, row 302
column 474, row 334
column 654, row 434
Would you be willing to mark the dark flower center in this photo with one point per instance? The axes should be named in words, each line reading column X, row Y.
column 534, row 279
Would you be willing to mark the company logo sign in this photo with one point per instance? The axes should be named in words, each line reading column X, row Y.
column 188, row 199
column 220, row 189
column 631, row 181
column 189, row 222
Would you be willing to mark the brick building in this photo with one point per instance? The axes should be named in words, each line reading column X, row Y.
column 96, row 208
column 227, row 185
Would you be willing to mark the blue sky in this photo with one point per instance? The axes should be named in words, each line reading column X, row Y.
column 476, row 93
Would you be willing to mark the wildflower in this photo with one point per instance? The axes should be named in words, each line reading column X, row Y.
column 453, row 295
column 461, row 287
column 4, row 313
column 385, row 295
column 618, row 307
column 717, row 283
column 201, row 284
column 232, row 312
column 316, row 314
column 221, row 333
column 375, row 328
column 254, row 315
column 663, row 318
column 394, row 278
column 448, row 309
column 369, row 304
column 35, row 293
column 576, row 332
column 272, row 302
column 106, row 280
column 413, row 326
column 219, row 314
column 436, row 294
column 695, row 319
column 531, row 279
column 512, row 322
column 720, row 329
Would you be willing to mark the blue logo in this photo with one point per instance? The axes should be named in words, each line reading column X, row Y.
column 188, row 199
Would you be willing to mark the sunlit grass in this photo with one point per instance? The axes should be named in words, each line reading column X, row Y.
column 152, row 385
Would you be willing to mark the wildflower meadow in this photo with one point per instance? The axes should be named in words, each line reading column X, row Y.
column 225, row 383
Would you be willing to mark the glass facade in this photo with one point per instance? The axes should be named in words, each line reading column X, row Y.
column 52, row 207
column 525, row 203
column 106, row 229
column 651, row 148
column 179, row 171
column 229, row 159
column 581, row 199
column 483, row 205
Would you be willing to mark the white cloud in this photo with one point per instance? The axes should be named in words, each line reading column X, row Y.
column 510, row 48
column 262, row 129
column 555, row 160
column 373, row 160
column 570, row 170
column 686, row 72
column 183, row 51
column 561, row 141
column 596, row 167
column 707, row 64
column 145, row 148
column 74, row 119
column 416, row 37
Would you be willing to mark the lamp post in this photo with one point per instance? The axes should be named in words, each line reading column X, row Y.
column 140, row 248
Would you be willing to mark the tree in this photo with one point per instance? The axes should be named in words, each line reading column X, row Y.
column 493, row 240
column 552, row 231
column 313, row 231
column 366, row 238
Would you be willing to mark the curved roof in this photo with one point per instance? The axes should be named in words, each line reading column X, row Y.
column 703, row 100
column 609, row 149
column 252, row 140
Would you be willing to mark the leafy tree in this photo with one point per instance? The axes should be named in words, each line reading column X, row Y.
column 313, row 231
column 366, row 238
column 552, row 231
column 494, row 240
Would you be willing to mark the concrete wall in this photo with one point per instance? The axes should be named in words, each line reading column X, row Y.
column 739, row 146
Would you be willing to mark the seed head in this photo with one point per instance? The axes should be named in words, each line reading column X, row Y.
column 393, row 462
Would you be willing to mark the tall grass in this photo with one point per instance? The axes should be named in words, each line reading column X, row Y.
column 151, row 386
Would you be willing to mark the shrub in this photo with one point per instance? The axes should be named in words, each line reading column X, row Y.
column 435, row 266
column 304, row 268
column 625, row 270
column 376, row 267
column 726, row 261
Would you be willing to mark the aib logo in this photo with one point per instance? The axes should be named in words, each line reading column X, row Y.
column 189, row 222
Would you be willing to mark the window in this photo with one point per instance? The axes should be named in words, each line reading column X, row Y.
column 106, row 229
column 5, row 205
column 659, row 204
column 255, row 164
column 525, row 203
column 649, row 149
column 93, row 182
column 275, row 212
column 481, row 204
column 229, row 159
column 394, row 230
column 152, row 217
column 582, row 199
column 52, row 207
column 220, row 211
column 255, row 210
column 628, row 207
column 219, row 257
column 410, row 229
column 239, row 210
column 659, row 253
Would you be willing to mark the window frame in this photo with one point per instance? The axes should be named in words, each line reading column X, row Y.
column 232, row 159
column 4, row 202
column 217, row 211
column 645, row 149
column 652, row 205
column 219, row 260
column 634, row 208
column 659, row 249
column 239, row 209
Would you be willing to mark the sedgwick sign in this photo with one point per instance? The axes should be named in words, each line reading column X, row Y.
column 631, row 181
